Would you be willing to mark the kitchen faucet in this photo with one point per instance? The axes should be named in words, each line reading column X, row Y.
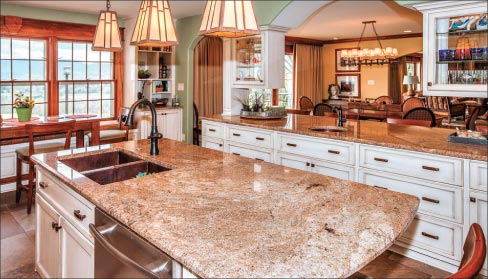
column 155, row 135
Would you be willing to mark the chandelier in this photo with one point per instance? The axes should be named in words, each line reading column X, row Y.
column 376, row 56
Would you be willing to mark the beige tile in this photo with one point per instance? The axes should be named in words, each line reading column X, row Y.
column 8, row 226
column 420, row 266
column 32, row 235
column 16, row 251
column 26, row 221
column 26, row 271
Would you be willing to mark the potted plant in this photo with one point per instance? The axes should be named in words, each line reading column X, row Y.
column 143, row 74
column 23, row 105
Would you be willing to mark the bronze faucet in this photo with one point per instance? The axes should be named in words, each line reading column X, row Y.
column 155, row 135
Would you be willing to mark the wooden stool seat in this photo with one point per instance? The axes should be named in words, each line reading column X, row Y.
column 40, row 148
column 108, row 135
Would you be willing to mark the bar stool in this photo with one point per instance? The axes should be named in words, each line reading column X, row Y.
column 24, row 154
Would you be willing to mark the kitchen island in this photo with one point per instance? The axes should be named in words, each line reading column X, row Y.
column 222, row 215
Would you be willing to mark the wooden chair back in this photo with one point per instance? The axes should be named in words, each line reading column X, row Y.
column 385, row 100
column 471, row 123
column 305, row 103
column 474, row 253
column 412, row 103
column 321, row 108
column 425, row 123
column 49, row 128
column 421, row 114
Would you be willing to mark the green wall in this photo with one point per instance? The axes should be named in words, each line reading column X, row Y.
column 49, row 14
column 187, row 29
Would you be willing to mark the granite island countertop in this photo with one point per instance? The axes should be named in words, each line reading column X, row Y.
column 408, row 137
column 222, row 215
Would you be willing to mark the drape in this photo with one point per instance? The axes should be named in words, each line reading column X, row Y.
column 208, row 62
column 308, row 73
column 395, row 80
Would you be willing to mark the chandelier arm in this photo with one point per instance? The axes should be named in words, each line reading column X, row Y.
column 362, row 33
column 378, row 39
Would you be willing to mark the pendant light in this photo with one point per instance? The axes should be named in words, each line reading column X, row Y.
column 229, row 18
column 107, row 36
column 154, row 25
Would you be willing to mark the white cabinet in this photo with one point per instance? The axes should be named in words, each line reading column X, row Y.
column 64, row 247
column 455, row 58
column 169, row 123
column 259, row 60
column 478, row 213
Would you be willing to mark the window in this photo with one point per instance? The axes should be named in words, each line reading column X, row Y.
column 285, row 95
column 86, row 80
column 23, row 70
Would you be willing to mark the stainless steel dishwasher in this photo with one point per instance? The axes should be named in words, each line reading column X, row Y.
column 121, row 253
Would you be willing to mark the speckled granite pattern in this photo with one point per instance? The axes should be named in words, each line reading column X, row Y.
column 222, row 215
column 415, row 138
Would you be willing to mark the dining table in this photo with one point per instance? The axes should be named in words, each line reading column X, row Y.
column 12, row 130
column 377, row 114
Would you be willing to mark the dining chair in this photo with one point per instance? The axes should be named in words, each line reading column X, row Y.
column 421, row 114
column 321, row 108
column 24, row 154
column 111, row 132
column 415, row 122
column 474, row 253
column 474, row 119
column 385, row 100
column 411, row 103
column 306, row 103
column 197, row 129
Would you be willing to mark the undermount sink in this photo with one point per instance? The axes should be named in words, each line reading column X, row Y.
column 328, row 129
column 110, row 167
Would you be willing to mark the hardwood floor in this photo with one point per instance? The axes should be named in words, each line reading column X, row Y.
column 18, row 238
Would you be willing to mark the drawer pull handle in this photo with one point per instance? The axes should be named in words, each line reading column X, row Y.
column 376, row 186
column 430, row 200
column 334, row 151
column 471, row 199
column 312, row 165
column 430, row 235
column 258, row 138
column 164, row 113
column 236, row 154
column 236, row 135
column 291, row 144
column 56, row 226
column 220, row 145
column 381, row 160
column 307, row 164
column 43, row 184
column 429, row 83
column 212, row 130
column 430, row 168
column 260, row 159
column 78, row 215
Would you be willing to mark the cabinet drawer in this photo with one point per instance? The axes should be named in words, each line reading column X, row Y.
column 256, row 137
column 250, row 152
column 435, row 199
column 478, row 175
column 213, row 143
column 330, row 150
column 71, row 205
column 212, row 129
column 426, row 166
column 441, row 238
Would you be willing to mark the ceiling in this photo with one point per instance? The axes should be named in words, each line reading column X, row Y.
column 337, row 19
column 124, row 9
column 343, row 20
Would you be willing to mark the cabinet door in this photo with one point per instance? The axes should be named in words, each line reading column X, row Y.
column 47, row 240
column 215, row 144
column 296, row 162
column 172, row 125
column 478, row 208
column 333, row 169
column 77, row 253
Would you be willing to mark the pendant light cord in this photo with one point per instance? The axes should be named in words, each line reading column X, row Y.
column 362, row 33
column 108, row 5
column 377, row 38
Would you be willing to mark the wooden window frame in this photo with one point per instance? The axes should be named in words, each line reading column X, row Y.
column 53, row 31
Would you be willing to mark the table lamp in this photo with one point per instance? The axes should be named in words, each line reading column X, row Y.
column 410, row 80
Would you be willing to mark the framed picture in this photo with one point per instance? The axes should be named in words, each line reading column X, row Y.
column 350, row 85
column 338, row 66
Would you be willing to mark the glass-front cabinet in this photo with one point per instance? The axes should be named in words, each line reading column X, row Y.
column 455, row 48
column 249, row 66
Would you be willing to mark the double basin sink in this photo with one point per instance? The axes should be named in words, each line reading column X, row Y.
column 110, row 167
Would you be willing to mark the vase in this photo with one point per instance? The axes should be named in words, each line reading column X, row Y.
column 24, row 114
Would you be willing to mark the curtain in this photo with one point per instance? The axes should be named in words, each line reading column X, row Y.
column 395, row 80
column 208, row 62
column 308, row 73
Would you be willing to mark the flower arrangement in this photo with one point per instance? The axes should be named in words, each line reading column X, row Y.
column 23, row 102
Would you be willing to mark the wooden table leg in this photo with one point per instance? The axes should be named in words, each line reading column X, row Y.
column 95, row 131
column 80, row 138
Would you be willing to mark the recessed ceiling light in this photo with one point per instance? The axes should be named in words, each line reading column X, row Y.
column 407, row 31
column 336, row 38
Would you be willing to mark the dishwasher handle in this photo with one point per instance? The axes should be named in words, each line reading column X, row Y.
column 119, row 255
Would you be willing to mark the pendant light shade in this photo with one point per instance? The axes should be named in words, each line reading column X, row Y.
column 154, row 25
column 229, row 18
column 107, row 36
